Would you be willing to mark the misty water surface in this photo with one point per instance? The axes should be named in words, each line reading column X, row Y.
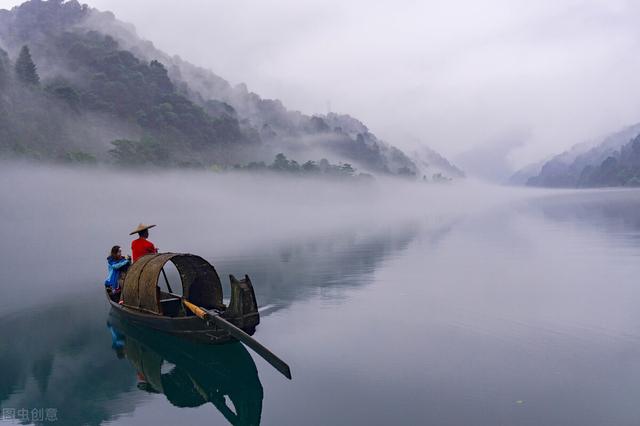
column 394, row 303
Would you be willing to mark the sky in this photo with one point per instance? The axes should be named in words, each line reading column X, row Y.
column 500, row 82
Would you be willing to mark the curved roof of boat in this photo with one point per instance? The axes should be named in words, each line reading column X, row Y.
column 200, row 281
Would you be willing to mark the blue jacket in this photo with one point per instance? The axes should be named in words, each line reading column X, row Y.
column 114, row 266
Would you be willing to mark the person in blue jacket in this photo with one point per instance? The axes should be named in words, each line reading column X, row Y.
column 116, row 263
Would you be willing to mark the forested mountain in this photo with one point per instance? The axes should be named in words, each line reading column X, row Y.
column 435, row 166
column 77, row 84
column 612, row 162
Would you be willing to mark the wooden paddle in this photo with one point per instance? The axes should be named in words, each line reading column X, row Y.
column 257, row 347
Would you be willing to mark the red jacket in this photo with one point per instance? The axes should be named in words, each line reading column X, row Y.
column 140, row 247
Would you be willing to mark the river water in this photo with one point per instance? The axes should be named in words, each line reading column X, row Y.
column 446, row 306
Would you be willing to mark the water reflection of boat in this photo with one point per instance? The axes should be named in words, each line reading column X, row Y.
column 197, row 374
column 143, row 302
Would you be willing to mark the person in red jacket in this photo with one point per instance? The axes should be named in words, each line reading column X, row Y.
column 142, row 246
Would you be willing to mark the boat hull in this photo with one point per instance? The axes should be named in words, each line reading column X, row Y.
column 191, row 327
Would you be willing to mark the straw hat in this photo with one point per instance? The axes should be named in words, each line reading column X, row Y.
column 141, row 228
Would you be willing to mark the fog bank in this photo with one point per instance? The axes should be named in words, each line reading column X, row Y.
column 58, row 224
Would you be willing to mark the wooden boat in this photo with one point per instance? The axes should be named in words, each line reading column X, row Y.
column 143, row 303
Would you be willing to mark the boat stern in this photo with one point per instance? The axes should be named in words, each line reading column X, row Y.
column 243, row 307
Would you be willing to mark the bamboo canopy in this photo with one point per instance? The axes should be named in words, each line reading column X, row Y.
column 200, row 281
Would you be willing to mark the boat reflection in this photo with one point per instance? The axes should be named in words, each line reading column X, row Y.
column 191, row 374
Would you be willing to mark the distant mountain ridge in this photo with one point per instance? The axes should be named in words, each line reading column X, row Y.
column 434, row 166
column 581, row 166
column 109, row 85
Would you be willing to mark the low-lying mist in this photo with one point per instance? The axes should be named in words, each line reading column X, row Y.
column 58, row 224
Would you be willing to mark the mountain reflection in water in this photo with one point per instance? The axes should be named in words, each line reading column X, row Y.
column 191, row 374
column 523, row 313
column 61, row 354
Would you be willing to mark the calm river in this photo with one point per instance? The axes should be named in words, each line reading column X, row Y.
column 518, row 308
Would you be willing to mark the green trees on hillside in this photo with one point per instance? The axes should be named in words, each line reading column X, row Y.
column 620, row 169
column 25, row 68
column 5, row 66
column 142, row 93
column 34, row 123
column 144, row 152
column 94, row 90
column 281, row 164
column 115, row 84
column 65, row 93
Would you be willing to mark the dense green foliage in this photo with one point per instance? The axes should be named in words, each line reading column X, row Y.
column 620, row 167
column 5, row 64
column 281, row 164
column 113, row 83
column 145, row 151
column 117, row 82
column 587, row 165
column 32, row 122
column 26, row 69
column 72, row 91
column 94, row 92
column 79, row 157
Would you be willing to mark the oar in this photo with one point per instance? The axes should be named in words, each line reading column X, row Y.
column 265, row 353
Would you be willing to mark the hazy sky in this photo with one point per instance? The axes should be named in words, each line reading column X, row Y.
column 496, row 77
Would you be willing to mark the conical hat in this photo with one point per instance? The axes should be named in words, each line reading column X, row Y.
column 141, row 228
